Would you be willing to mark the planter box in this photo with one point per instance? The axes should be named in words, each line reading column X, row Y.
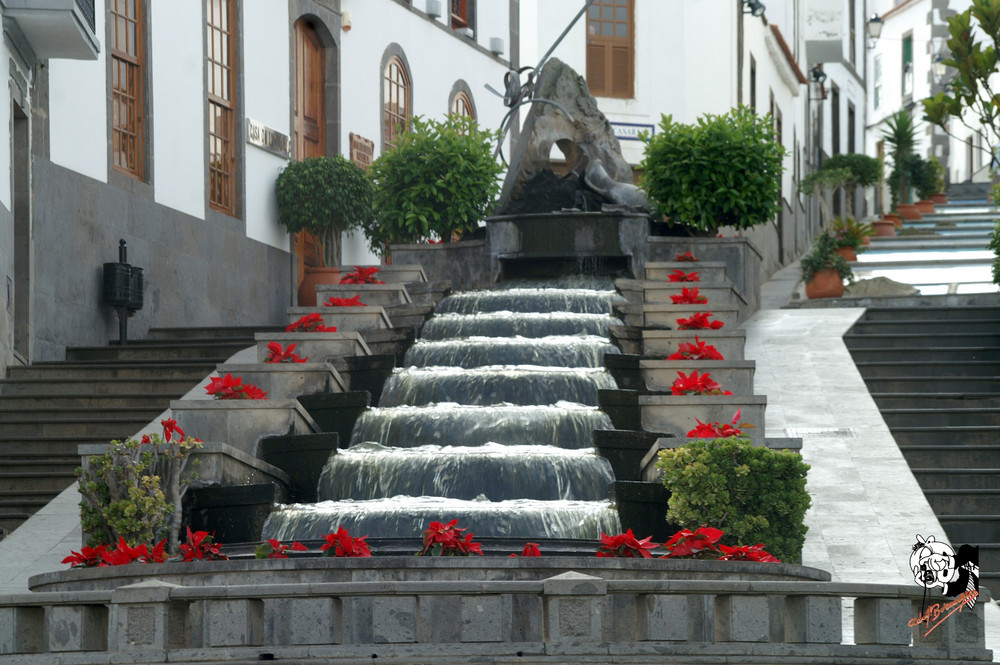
column 347, row 319
column 650, row 473
column 710, row 272
column 396, row 273
column 676, row 415
column 242, row 423
column 729, row 342
column 718, row 296
column 371, row 294
column 316, row 346
column 742, row 259
column 667, row 315
column 288, row 380
column 734, row 375
column 466, row 263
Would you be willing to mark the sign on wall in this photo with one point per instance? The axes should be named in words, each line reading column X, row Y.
column 264, row 137
column 629, row 131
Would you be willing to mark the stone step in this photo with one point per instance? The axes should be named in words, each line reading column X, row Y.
column 923, row 338
column 24, row 481
column 941, row 417
column 963, row 529
column 931, row 400
column 939, row 370
column 966, row 435
column 14, row 416
column 986, row 384
column 11, row 519
column 127, row 386
column 56, row 463
column 27, row 501
column 193, row 372
column 928, row 313
column 91, row 402
column 215, row 332
column 973, row 478
column 946, row 353
column 906, row 327
column 215, row 351
column 109, row 427
column 951, row 456
column 959, row 501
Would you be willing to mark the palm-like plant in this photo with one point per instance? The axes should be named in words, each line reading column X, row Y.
column 901, row 138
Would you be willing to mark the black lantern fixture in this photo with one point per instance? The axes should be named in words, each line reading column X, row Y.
column 817, row 74
column 753, row 7
column 874, row 29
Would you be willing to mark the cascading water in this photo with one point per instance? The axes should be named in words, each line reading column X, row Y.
column 490, row 422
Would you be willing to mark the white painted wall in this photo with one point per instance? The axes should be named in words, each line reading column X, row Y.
column 78, row 110
column 267, row 97
column 5, row 139
column 178, row 92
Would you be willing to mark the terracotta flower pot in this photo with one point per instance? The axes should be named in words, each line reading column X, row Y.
column 908, row 211
column 825, row 284
column 866, row 241
column 925, row 206
column 848, row 253
column 884, row 227
column 896, row 220
column 939, row 199
column 314, row 276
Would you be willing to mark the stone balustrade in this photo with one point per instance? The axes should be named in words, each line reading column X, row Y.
column 565, row 618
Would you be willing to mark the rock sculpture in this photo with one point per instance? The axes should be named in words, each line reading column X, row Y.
column 598, row 174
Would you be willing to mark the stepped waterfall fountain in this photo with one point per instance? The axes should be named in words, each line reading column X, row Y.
column 490, row 422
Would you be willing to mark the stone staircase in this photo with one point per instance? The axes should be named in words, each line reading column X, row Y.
column 97, row 394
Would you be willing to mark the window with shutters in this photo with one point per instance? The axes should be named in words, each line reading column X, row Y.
column 610, row 48
column 221, row 105
column 907, row 65
column 396, row 101
column 462, row 105
column 128, row 132
column 461, row 14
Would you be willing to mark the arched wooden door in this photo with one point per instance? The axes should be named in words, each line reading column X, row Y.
column 310, row 118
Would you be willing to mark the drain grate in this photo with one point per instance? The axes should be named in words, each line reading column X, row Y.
column 820, row 431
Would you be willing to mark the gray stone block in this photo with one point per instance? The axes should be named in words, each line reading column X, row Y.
column 434, row 626
column 664, row 617
column 22, row 630
column 370, row 294
column 735, row 376
column 742, row 619
column 146, row 626
column 574, row 607
column 814, row 619
column 77, row 628
column 307, row 621
column 394, row 619
column 316, row 346
column 231, row 623
column 485, row 618
column 951, row 624
column 730, row 343
column 345, row 319
column 882, row 621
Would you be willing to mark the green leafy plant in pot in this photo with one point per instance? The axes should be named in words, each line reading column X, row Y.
column 824, row 270
column 441, row 178
column 850, row 234
column 723, row 171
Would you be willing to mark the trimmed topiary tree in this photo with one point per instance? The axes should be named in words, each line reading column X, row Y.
column 440, row 178
column 754, row 494
column 723, row 171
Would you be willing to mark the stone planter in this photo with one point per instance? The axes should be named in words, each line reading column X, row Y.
column 464, row 263
column 242, row 423
column 710, row 272
column 283, row 381
column 371, row 294
column 658, row 315
column 676, row 414
column 742, row 260
column 733, row 375
column 939, row 199
column 316, row 346
column 396, row 273
column 729, row 342
column 655, row 292
column 347, row 319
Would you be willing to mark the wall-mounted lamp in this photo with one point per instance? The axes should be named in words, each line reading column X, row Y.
column 496, row 45
column 434, row 8
column 345, row 22
column 753, row 7
column 817, row 74
column 874, row 29
column 939, row 68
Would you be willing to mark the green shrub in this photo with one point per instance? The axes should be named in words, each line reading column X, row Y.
column 441, row 177
column 864, row 169
column 754, row 494
column 924, row 176
column 723, row 171
column 325, row 196
column 995, row 246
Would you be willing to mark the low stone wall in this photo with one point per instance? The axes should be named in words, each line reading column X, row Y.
column 570, row 617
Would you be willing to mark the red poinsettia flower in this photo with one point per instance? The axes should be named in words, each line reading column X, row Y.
column 343, row 544
column 345, row 302
column 310, row 323
column 718, row 430
column 447, row 540
column 229, row 387
column 276, row 353
column 696, row 384
column 697, row 351
column 362, row 275
column 275, row 549
column 124, row 554
column 681, row 276
column 685, row 256
column 199, row 545
column 625, row 545
column 88, row 557
column 689, row 297
column 699, row 321
column 747, row 553
column 686, row 543
column 169, row 428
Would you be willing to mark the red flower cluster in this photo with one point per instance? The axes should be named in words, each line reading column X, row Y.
column 361, row 275
column 275, row 549
column 89, row 557
column 310, row 323
column 747, row 553
column 686, row 543
column 718, row 430
column 697, row 351
column 276, row 353
column 685, row 256
column 696, row 384
column 343, row 544
column 625, row 545
column 199, row 546
column 530, row 549
column 699, row 321
column 169, row 429
column 344, row 302
column 689, row 297
column 447, row 540
column 681, row 276
column 228, row 387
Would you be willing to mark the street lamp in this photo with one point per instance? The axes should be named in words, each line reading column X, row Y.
column 940, row 69
column 874, row 29
column 817, row 74
column 753, row 7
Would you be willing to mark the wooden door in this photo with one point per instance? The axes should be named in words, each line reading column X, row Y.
column 310, row 119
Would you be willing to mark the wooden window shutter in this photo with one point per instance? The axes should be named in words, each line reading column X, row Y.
column 610, row 48
column 621, row 71
column 596, row 68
